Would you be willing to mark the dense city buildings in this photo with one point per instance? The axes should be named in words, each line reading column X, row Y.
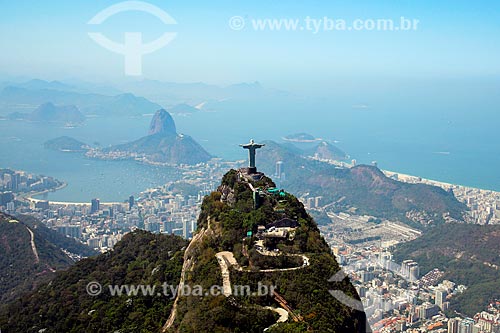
column 13, row 181
column 172, row 208
column 397, row 297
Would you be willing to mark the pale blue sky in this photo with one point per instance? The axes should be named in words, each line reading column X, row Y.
column 455, row 39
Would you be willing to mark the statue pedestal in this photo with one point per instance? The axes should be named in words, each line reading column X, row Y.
column 252, row 170
column 251, row 176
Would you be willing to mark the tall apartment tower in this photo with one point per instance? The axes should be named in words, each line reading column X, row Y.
column 279, row 169
column 94, row 206
column 440, row 297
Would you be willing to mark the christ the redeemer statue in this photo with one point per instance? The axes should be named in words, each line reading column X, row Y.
column 252, row 146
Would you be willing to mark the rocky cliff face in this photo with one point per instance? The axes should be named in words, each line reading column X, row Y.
column 162, row 123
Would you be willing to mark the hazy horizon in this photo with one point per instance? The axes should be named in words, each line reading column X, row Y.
column 453, row 40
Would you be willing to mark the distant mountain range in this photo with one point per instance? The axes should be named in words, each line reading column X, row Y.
column 170, row 93
column 19, row 99
column 163, row 144
column 49, row 112
column 72, row 85
column 96, row 99
column 182, row 108
column 37, row 84
column 30, row 254
column 363, row 189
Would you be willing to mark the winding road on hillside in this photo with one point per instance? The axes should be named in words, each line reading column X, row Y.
column 226, row 261
column 33, row 246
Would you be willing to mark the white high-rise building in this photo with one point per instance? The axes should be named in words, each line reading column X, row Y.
column 440, row 297
column 453, row 324
column 279, row 169
column 466, row 325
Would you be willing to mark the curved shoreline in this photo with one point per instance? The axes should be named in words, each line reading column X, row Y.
column 30, row 197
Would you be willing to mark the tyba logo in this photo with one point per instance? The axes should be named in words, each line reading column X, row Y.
column 133, row 48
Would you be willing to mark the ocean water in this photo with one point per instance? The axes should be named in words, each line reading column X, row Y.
column 21, row 147
column 451, row 144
